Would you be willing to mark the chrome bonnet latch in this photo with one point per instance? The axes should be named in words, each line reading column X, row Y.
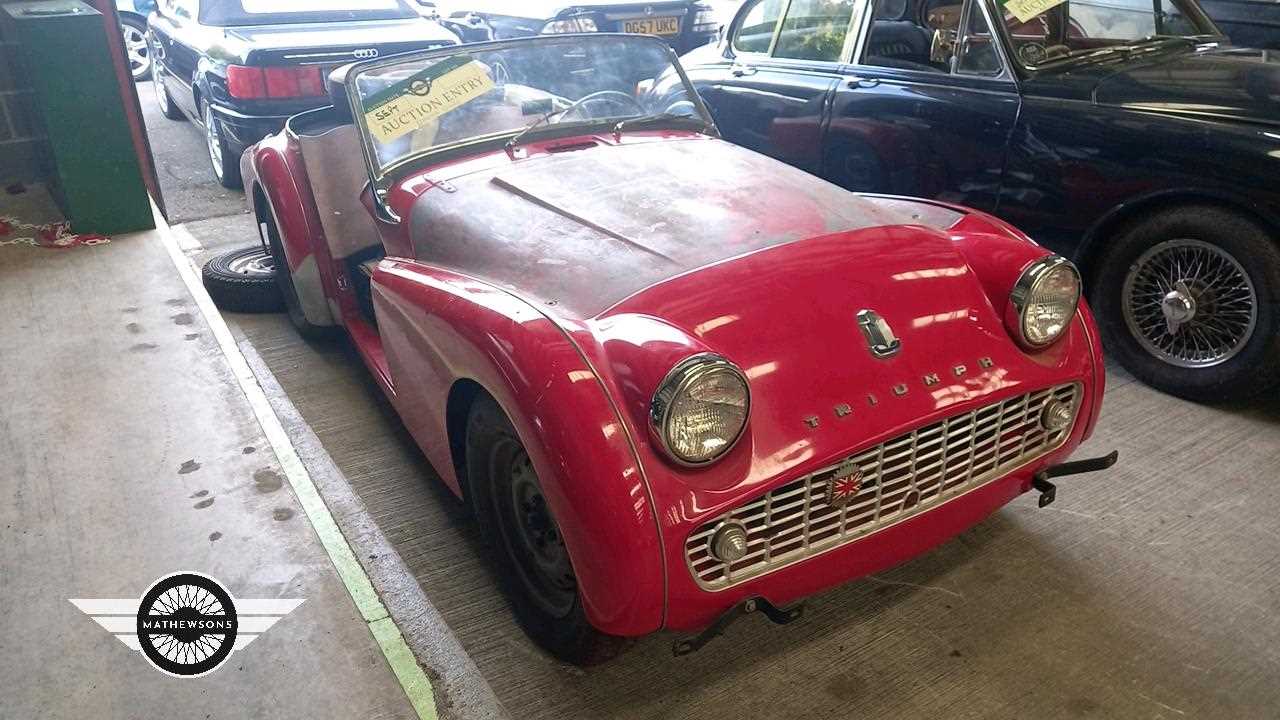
column 1048, row 491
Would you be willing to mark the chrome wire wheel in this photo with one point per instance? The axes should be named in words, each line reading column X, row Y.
column 1189, row 303
column 137, row 50
column 213, row 139
column 530, row 534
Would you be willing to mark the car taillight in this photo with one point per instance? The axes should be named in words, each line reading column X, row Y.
column 248, row 83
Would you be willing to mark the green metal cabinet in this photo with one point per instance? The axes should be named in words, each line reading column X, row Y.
column 62, row 52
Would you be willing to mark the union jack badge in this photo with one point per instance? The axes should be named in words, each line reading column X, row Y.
column 844, row 485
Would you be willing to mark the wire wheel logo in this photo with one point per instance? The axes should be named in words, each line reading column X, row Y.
column 187, row 624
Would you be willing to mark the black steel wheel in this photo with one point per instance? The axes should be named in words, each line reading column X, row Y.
column 244, row 281
column 1189, row 301
column 514, row 516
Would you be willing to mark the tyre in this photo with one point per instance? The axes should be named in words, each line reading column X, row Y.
column 513, row 515
column 163, row 99
column 244, row 281
column 284, row 279
column 138, row 52
column 1190, row 304
column 226, row 163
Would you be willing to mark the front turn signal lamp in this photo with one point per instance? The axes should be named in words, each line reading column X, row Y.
column 1043, row 301
column 700, row 409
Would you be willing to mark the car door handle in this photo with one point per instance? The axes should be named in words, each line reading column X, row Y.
column 861, row 82
column 740, row 70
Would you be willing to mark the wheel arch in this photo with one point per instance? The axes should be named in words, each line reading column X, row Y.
column 1093, row 248
column 449, row 340
column 273, row 188
column 462, row 395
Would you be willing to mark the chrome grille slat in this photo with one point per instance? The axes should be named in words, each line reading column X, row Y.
column 935, row 463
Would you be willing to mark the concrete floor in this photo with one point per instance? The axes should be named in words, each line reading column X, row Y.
column 182, row 163
column 128, row 452
column 1146, row 592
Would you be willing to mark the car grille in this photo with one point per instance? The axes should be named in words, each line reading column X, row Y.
column 900, row 478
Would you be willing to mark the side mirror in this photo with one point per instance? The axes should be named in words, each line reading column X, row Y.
column 943, row 46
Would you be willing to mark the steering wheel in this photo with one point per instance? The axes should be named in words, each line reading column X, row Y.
column 614, row 97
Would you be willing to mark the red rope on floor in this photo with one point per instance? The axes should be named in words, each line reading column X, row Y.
column 50, row 235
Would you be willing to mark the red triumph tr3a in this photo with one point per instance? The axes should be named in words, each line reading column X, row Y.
column 676, row 380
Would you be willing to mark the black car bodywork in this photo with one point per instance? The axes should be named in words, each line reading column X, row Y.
column 684, row 24
column 1101, row 156
column 197, row 43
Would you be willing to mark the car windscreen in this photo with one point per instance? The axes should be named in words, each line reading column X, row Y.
column 237, row 13
column 1051, row 31
column 420, row 104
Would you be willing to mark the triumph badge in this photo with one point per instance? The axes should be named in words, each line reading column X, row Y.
column 844, row 485
column 879, row 335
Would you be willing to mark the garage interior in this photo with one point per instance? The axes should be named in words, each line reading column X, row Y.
column 142, row 431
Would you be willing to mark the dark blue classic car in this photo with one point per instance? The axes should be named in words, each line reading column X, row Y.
column 240, row 68
column 1249, row 23
column 1131, row 140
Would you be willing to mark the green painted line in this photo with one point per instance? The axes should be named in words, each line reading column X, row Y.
column 405, row 666
column 416, row 685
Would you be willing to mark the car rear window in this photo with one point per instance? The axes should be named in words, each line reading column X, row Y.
column 279, row 12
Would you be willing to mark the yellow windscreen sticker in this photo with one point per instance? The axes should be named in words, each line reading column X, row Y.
column 1024, row 10
column 420, row 99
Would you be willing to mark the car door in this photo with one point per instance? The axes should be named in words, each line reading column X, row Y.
column 173, row 29
column 768, row 86
column 926, row 108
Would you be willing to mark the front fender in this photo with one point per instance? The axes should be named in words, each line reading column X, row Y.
column 439, row 329
column 276, row 169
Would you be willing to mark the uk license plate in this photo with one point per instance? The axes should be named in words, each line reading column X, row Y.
column 652, row 26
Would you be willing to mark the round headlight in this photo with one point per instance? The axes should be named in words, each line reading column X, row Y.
column 700, row 409
column 1044, row 300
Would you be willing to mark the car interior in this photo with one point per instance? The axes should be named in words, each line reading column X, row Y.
column 925, row 35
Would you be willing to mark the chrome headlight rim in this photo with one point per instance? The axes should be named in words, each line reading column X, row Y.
column 1035, row 273
column 677, row 381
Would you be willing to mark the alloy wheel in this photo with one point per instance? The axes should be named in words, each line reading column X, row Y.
column 137, row 50
column 1189, row 303
column 157, row 87
column 259, row 264
column 213, row 139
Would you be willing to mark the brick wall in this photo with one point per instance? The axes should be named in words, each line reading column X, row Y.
column 23, row 155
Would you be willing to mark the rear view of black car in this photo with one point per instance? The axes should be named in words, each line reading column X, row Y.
column 240, row 68
column 684, row 24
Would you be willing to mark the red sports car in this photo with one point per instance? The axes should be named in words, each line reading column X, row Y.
column 675, row 379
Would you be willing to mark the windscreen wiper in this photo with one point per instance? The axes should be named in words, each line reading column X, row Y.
column 515, row 139
column 651, row 118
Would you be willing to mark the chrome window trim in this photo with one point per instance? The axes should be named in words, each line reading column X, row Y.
column 858, row 57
